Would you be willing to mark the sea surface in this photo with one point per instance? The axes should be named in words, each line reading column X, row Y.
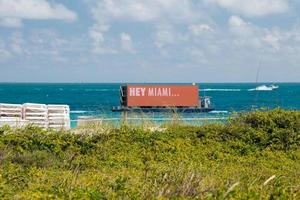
column 98, row 99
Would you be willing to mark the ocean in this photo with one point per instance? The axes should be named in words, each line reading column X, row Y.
column 97, row 99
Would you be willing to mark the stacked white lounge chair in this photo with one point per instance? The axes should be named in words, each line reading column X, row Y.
column 36, row 114
column 11, row 114
column 45, row 116
column 59, row 116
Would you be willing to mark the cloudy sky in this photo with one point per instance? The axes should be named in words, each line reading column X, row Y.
column 149, row 40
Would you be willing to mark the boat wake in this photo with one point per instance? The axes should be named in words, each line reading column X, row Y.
column 219, row 112
column 79, row 111
column 265, row 88
column 99, row 90
column 220, row 90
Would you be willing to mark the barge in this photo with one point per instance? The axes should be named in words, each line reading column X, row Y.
column 162, row 98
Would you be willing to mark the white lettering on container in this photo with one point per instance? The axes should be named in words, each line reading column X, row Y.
column 136, row 92
column 159, row 92
column 131, row 91
column 165, row 92
column 143, row 91
column 151, row 92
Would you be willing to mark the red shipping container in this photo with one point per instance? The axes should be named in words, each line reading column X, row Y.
column 162, row 95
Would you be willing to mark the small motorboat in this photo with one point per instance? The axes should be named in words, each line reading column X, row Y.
column 274, row 87
column 265, row 88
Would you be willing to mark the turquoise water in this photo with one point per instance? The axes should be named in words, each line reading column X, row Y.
column 98, row 99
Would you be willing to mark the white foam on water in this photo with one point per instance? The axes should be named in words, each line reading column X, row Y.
column 219, row 112
column 220, row 90
column 99, row 90
column 79, row 111
column 167, row 119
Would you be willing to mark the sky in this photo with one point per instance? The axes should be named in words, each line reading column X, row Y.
column 149, row 40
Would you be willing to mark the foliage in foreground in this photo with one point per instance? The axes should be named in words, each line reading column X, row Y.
column 255, row 155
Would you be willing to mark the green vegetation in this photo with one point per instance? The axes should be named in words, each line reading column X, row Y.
column 254, row 156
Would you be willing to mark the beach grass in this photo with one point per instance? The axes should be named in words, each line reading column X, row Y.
column 254, row 155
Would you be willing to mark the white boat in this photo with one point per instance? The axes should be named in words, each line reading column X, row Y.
column 275, row 87
column 265, row 88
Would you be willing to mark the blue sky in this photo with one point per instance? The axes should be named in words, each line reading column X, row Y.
column 149, row 40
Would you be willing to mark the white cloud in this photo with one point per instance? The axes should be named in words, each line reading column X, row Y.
column 4, row 53
column 253, row 8
column 245, row 34
column 10, row 22
column 198, row 29
column 239, row 27
column 157, row 13
column 96, row 34
column 126, row 42
column 13, row 11
column 146, row 10
column 249, row 35
column 17, row 44
column 272, row 40
column 41, row 45
column 165, row 35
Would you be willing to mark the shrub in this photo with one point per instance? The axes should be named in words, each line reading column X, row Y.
column 214, row 161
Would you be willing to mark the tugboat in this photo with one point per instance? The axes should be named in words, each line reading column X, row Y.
column 162, row 98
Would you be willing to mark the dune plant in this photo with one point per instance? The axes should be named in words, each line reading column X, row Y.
column 254, row 155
